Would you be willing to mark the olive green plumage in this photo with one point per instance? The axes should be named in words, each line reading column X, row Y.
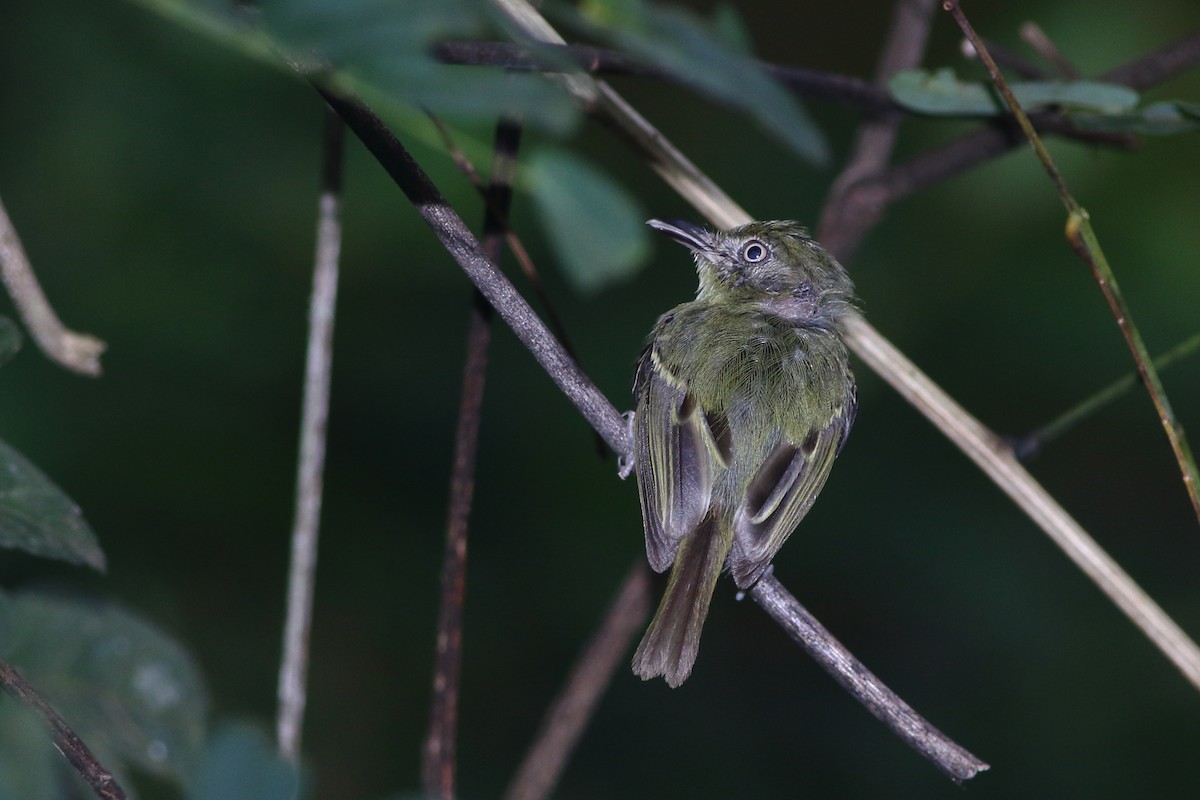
column 744, row 399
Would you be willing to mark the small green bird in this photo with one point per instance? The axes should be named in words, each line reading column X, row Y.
column 744, row 399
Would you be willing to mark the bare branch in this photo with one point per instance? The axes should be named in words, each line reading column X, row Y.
column 856, row 679
column 78, row 352
column 309, row 472
column 463, row 247
column 567, row 717
column 440, row 752
column 68, row 743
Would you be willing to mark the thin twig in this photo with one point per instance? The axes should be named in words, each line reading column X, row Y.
column 567, row 717
column 856, row 679
column 309, row 472
column 68, row 743
column 439, row 763
column 1083, row 240
column 1045, row 47
column 1030, row 444
column 78, row 352
column 843, row 89
column 975, row 440
column 463, row 247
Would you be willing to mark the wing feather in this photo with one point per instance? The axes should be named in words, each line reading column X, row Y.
column 674, row 449
column 781, row 493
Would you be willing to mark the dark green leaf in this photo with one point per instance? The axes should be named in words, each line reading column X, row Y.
column 132, row 694
column 384, row 47
column 942, row 93
column 700, row 53
column 239, row 763
column 10, row 339
column 36, row 516
column 595, row 226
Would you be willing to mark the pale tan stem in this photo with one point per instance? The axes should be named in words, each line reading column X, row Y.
column 78, row 352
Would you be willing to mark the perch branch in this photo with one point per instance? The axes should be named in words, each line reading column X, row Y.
column 856, row 679
column 78, row 352
column 512, row 308
column 309, row 472
column 65, row 739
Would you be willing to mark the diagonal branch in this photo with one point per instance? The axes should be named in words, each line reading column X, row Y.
column 68, row 743
column 513, row 309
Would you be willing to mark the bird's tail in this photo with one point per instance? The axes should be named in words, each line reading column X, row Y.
column 671, row 642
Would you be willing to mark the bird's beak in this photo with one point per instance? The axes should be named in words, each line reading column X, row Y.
column 686, row 233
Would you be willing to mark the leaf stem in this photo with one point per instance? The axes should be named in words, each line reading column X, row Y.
column 1083, row 240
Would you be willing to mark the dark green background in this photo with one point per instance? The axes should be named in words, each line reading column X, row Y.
column 164, row 187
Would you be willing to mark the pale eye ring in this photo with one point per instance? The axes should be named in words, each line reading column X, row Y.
column 754, row 251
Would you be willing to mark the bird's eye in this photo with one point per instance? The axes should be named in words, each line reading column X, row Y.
column 754, row 251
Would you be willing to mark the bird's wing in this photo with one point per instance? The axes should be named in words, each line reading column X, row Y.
column 675, row 451
column 782, row 492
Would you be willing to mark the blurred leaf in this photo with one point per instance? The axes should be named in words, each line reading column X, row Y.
column 10, row 339
column 132, row 694
column 239, row 763
column 594, row 225
column 942, row 93
column 385, row 46
column 37, row 517
column 382, row 48
column 1157, row 119
column 700, row 53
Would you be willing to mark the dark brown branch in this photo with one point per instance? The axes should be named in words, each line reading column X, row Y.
column 440, row 752
column 843, row 89
column 511, row 307
column 567, row 717
column 69, row 744
column 858, row 681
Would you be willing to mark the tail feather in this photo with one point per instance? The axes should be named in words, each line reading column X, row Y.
column 672, row 641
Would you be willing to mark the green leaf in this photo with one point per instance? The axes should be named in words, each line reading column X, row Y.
column 384, row 47
column 37, row 517
column 942, row 93
column 239, row 763
column 1157, row 119
column 10, row 339
column 700, row 53
column 130, row 693
column 593, row 224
